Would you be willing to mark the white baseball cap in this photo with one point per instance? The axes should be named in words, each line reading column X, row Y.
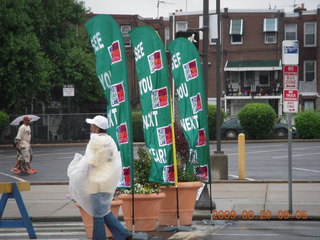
column 99, row 121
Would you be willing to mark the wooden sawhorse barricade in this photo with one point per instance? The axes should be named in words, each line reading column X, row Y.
column 12, row 190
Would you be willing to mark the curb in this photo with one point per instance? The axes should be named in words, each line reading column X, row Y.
column 213, row 182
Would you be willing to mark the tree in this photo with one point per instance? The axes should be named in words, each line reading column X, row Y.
column 44, row 46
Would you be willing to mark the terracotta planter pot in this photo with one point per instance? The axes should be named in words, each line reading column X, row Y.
column 187, row 198
column 88, row 220
column 146, row 210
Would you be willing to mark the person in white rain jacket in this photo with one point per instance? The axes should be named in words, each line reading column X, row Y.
column 94, row 178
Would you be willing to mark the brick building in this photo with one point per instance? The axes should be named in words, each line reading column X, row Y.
column 251, row 47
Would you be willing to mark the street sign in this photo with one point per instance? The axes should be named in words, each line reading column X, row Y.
column 290, row 52
column 290, row 100
column 290, row 76
column 68, row 90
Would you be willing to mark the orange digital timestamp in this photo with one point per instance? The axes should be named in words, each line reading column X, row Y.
column 263, row 215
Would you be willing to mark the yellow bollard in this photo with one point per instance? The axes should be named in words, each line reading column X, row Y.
column 241, row 157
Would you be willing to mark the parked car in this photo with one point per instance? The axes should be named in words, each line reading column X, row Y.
column 231, row 128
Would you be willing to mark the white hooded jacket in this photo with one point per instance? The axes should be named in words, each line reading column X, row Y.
column 98, row 171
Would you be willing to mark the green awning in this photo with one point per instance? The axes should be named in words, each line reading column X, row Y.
column 258, row 65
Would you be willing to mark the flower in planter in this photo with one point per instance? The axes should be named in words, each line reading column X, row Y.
column 141, row 175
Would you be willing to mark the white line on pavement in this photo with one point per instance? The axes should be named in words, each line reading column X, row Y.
column 17, row 178
column 307, row 170
column 297, row 155
column 245, row 234
column 249, row 179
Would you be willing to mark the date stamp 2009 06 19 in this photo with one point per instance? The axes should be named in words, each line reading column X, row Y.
column 263, row 215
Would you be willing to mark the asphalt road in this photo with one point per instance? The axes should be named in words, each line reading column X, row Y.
column 264, row 161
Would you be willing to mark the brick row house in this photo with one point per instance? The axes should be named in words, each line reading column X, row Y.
column 251, row 48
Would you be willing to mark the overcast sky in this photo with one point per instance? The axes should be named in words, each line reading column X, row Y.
column 148, row 8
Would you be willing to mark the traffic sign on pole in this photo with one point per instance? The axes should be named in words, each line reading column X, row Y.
column 290, row 76
column 290, row 100
column 290, row 52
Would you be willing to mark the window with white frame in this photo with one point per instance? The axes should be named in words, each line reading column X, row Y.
column 270, row 29
column 166, row 36
column 213, row 28
column 236, row 31
column 310, row 34
column 309, row 105
column 290, row 32
column 125, row 29
column 309, row 70
column 181, row 26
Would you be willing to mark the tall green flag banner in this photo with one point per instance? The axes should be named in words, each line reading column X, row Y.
column 111, row 68
column 152, row 72
column 187, row 75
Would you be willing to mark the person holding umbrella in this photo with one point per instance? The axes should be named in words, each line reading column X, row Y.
column 23, row 145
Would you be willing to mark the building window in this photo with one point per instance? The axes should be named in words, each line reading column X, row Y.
column 166, row 36
column 290, row 32
column 264, row 78
column 213, row 28
column 125, row 29
column 309, row 70
column 235, row 77
column 236, row 31
column 270, row 29
column 310, row 34
column 181, row 26
column 308, row 105
column 270, row 37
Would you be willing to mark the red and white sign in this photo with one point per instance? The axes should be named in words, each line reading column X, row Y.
column 290, row 100
column 290, row 76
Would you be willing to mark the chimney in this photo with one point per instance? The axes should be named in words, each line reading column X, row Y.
column 300, row 9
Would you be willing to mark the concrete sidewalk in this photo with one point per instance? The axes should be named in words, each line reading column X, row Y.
column 47, row 202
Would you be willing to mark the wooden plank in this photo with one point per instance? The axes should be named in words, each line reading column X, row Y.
column 8, row 187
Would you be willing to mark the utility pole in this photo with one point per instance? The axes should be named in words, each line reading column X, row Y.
column 218, row 79
column 219, row 161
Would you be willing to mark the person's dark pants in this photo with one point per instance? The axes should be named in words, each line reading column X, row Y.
column 115, row 227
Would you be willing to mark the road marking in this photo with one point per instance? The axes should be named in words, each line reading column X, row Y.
column 297, row 155
column 17, row 178
column 249, row 179
column 246, row 234
column 275, row 150
column 307, row 170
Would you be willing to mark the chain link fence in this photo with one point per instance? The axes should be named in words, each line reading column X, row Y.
column 55, row 128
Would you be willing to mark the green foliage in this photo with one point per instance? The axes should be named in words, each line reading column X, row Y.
column 141, row 174
column 308, row 124
column 185, row 174
column 137, row 126
column 257, row 120
column 4, row 121
column 212, row 112
column 43, row 46
column 182, row 146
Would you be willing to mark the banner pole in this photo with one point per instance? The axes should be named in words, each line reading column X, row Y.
column 133, row 227
column 175, row 167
